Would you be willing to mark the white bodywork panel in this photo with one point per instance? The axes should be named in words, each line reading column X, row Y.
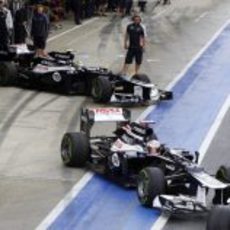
column 49, row 69
column 120, row 146
column 208, row 181
column 21, row 48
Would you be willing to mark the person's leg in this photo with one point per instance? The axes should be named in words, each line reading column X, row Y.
column 76, row 19
column 128, row 61
column 138, row 59
column 35, row 43
column 77, row 14
column 42, row 46
column 4, row 42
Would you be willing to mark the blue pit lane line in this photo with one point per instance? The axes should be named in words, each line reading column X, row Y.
column 183, row 122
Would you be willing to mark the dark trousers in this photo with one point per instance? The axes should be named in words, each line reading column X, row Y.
column 19, row 34
column 4, row 41
column 128, row 6
column 142, row 6
column 77, row 15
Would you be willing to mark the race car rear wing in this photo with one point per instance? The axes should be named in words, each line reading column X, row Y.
column 112, row 114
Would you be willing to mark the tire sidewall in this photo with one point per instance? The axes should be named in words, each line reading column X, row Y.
column 8, row 73
column 75, row 149
column 153, row 184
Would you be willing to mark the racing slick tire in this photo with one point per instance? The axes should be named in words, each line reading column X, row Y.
column 101, row 90
column 75, row 149
column 141, row 77
column 219, row 218
column 8, row 72
column 221, row 196
column 150, row 183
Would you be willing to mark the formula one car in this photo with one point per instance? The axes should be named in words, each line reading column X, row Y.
column 181, row 186
column 19, row 66
column 118, row 156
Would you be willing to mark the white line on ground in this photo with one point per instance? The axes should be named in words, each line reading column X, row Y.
column 87, row 35
column 158, row 225
column 72, row 29
column 212, row 131
column 161, row 222
column 160, row 14
column 201, row 16
column 153, row 60
column 120, row 55
column 65, row 202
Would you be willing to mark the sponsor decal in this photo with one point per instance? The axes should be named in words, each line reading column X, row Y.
column 56, row 76
column 108, row 111
column 115, row 160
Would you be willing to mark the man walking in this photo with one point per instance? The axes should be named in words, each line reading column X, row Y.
column 135, row 43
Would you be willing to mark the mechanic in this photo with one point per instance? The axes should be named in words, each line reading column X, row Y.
column 20, row 21
column 40, row 31
column 138, row 133
column 6, row 26
column 135, row 43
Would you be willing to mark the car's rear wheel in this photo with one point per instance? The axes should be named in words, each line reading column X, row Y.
column 141, row 77
column 75, row 149
column 101, row 89
column 219, row 218
column 221, row 196
column 8, row 72
column 150, row 183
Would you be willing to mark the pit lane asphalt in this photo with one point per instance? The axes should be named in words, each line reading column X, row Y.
column 33, row 179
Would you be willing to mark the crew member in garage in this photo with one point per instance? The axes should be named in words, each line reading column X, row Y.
column 134, row 43
column 40, row 31
column 20, row 21
column 6, row 26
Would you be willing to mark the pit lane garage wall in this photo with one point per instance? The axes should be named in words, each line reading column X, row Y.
column 183, row 122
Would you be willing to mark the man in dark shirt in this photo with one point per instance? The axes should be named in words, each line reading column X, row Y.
column 40, row 31
column 135, row 43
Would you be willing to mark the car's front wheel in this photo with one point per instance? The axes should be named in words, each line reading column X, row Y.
column 101, row 89
column 150, row 183
column 8, row 72
column 75, row 149
column 219, row 218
